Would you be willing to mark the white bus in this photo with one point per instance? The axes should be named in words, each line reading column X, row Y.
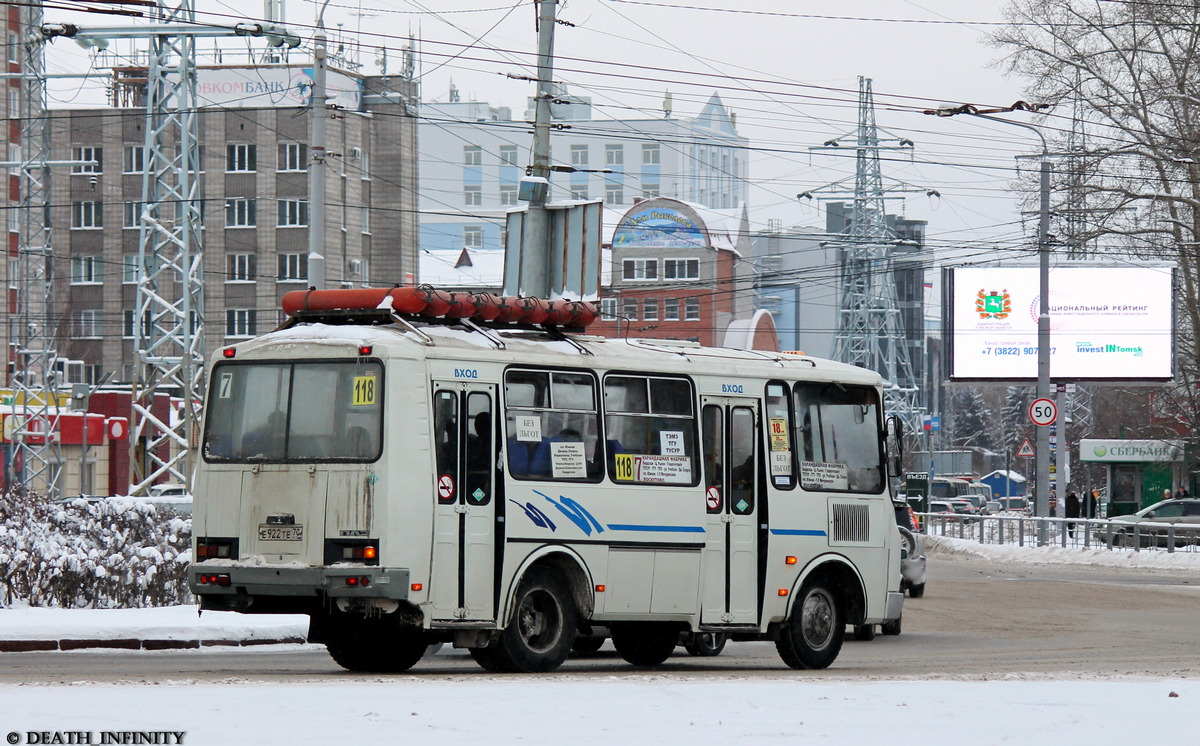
column 406, row 480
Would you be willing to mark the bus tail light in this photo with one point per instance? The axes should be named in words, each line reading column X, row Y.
column 214, row 547
column 790, row 560
column 365, row 551
column 783, row 591
column 418, row 587
column 219, row 579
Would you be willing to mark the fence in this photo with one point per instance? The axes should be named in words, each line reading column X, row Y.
column 1084, row 533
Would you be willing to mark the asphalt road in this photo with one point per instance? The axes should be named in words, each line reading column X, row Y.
column 979, row 620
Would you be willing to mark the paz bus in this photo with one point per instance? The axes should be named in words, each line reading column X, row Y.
column 410, row 466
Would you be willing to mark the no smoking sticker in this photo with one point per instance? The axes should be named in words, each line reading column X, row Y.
column 445, row 487
column 713, row 498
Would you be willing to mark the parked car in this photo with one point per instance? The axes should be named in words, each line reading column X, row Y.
column 993, row 507
column 1151, row 525
column 978, row 502
column 942, row 506
column 1015, row 505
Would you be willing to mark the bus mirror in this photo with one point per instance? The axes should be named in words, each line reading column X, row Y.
column 895, row 445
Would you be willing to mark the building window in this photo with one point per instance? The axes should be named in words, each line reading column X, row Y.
column 85, row 270
column 88, row 153
column 650, row 154
column 293, row 156
column 640, row 269
column 135, row 159
column 242, row 268
column 241, row 157
column 129, row 269
column 365, row 217
column 472, row 195
column 293, row 213
column 608, row 308
column 508, row 155
column 241, row 213
column 671, row 309
column 127, row 323
column 472, row 155
column 579, row 155
column 365, row 162
column 88, row 323
column 87, row 215
column 133, row 214
column 241, row 322
column 508, row 194
column 472, row 236
column 691, row 309
column 681, row 269
column 614, row 155
column 650, row 191
column 650, row 309
column 579, row 192
column 629, row 309
column 614, row 194
column 293, row 267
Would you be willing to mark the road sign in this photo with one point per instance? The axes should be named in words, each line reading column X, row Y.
column 1043, row 412
column 1026, row 449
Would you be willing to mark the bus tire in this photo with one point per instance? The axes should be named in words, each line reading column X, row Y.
column 371, row 647
column 812, row 635
column 706, row 644
column 541, row 631
column 916, row 591
column 644, row 644
column 892, row 627
column 587, row 643
column 864, row 632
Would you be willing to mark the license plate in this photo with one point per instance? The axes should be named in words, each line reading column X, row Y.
column 276, row 532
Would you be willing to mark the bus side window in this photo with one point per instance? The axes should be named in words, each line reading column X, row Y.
column 445, row 434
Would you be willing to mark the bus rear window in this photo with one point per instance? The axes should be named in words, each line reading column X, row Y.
column 295, row 411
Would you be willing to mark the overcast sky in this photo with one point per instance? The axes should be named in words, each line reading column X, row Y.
column 788, row 70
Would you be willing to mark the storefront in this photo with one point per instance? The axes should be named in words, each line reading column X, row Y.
column 1138, row 472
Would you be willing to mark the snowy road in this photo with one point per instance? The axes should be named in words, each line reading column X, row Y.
column 981, row 619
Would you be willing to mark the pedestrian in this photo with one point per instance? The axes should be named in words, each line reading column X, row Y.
column 1072, row 512
column 1181, row 493
column 1166, row 494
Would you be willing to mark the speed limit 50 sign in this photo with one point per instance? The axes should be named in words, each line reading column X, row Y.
column 1043, row 412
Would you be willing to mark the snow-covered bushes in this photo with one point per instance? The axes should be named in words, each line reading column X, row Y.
column 114, row 553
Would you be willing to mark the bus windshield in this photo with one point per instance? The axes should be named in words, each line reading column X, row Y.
column 838, row 434
column 295, row 411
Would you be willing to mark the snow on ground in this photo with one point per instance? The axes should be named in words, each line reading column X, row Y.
column 630, row 709
column 1158, row 559
column 162, row 623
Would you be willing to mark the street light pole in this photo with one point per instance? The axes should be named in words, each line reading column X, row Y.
column 1042, row 485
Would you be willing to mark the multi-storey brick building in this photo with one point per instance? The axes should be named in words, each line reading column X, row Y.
column 254, row 162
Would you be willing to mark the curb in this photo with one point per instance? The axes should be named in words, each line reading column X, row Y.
column 29, row 646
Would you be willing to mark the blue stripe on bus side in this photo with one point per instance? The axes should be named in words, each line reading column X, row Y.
column 671, row 529
column 798, row 532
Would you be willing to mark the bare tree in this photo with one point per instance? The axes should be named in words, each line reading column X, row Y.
column 1132, row 71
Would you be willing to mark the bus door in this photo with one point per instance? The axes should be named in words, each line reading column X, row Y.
column 462, row 579
column 730, row 452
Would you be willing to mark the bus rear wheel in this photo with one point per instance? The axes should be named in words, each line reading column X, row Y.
column 371, row 646
column 644, row 644
column 539, row 636
column 812, row 635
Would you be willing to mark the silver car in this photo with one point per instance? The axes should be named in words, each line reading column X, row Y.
column 1152, row 526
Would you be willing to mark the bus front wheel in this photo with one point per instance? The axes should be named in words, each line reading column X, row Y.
column 812, row 634
column 539, row 636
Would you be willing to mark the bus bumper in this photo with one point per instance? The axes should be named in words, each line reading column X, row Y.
column 330, row 582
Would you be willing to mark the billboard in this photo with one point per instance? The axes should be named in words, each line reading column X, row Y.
column 269, row 86
column 1112, row 323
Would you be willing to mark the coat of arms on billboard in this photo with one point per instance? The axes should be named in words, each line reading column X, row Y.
column 991, row 304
